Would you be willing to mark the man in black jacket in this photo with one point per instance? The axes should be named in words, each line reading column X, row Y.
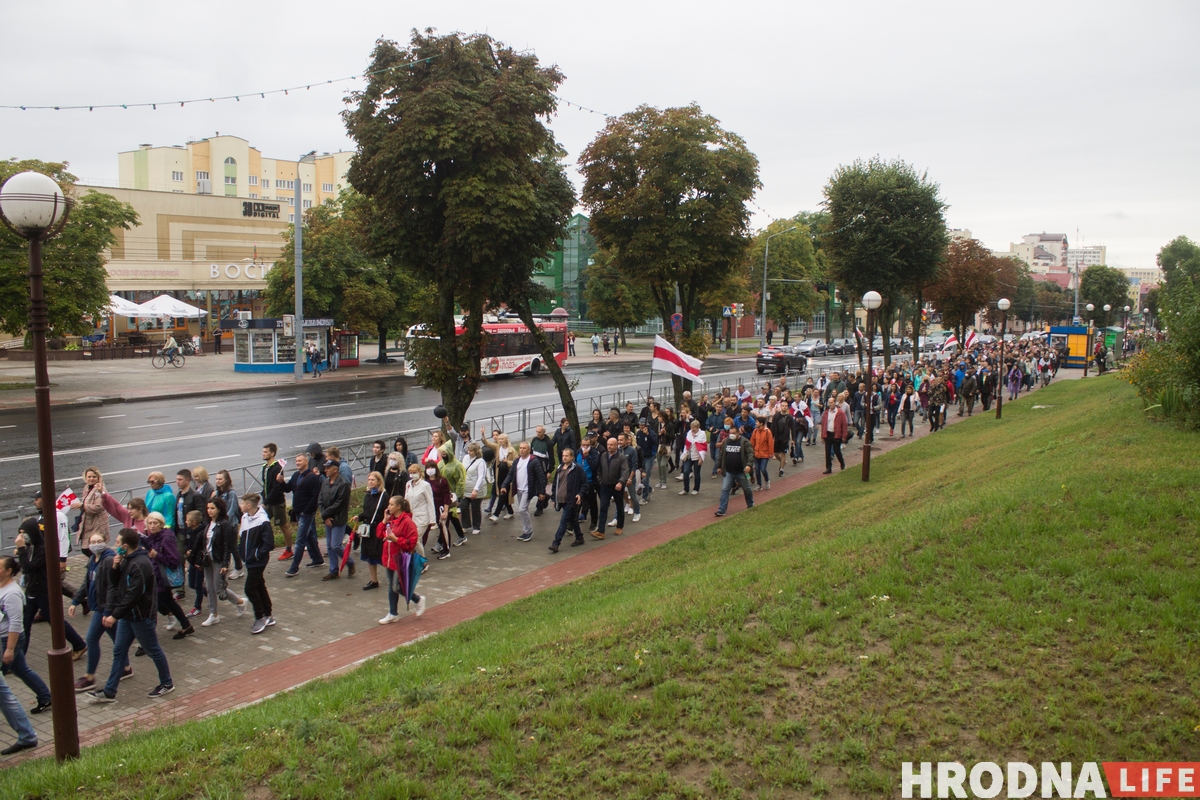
column 187, row 499
column 274, row 499
column 570, row 485
column 132, row 604
column 334, row 503
column 305, row 488
column 612, row 476
column 31, row 553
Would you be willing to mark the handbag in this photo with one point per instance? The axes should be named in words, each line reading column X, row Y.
column 174, row 576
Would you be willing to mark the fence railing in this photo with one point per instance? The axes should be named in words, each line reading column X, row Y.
column 519, row 424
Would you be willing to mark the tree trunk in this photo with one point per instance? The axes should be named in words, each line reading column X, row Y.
column 787, row 328
column 621, row 333
column 382, row 359
column 884, row 318
column 525, row 312
column 458, row 374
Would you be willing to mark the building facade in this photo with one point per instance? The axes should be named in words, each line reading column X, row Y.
column 564, row 272
column 1041, row 252
column 1092, row 255
column 1141, row 280
column 227, row 166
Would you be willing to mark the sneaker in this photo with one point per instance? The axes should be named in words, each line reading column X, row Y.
column 186, row 632
column 443, row 556
column 662, row 485
column 493, row 518
column 537, row 513
column 475, row 531
column 314, row 564
column 628, row 509
column 460, row 541
column 128, row 673
column 234, row 575
column 141, row 651
column 508, row 515
column 388, row 619
column 781, row 473
column 553, row 548
column 768, row 484
column 577, row 543
column 270, row 621
column 719, row 514
column 161, row 689
column 678, row 477
column 213, row 619
column 612, row 522
column 286, row 555
column 241, row 608
column 637, row 517
column 291, row 573
column 597, row 534
column 259, row 625
column 83, row 684
column 695, row 491
column 683, row 492
column 171, row 623
column 40, row 707
column 99, row 696
column 524, row 537
column 421, row 606
column 330, row 576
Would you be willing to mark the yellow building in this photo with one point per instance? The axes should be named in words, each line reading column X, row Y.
column 227, row 166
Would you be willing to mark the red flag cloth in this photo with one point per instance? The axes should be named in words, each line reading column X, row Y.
column 669, row 358
column 65, row 499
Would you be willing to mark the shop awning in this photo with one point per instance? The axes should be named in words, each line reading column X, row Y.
column 120, row 307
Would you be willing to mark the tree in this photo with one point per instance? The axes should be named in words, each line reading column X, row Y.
column 1013, row 281
column 792, row 258
column 1152, row 301
column 72, row 262
column 465, row 181
column 1051, row 304
column 1180, row 256
column 1099, row 285
column 342, row 279
column 612, row 301
column 965, row 283
column 886, row 232
column 666, row 191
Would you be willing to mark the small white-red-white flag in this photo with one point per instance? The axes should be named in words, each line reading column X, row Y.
column 65, row 499
column 972, row 340
column 669, row 358
column 951, row 339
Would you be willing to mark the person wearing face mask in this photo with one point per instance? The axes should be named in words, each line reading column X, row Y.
column 420, row 500
column 588, row 460
column 94, row 592
column 130, row 609
column 163, row 550
column 737, row 462
column 11, row 613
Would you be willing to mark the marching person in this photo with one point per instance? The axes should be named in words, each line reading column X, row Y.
column 399, row 534
column 526, row 480
column 220, row 539
column 31, row 553
column 12, row 631
column 93, row 517
column 224, row 490
column 334, row 504
column 475, row 488
column 421, row 505
column 370, row 546
column 835, row 429
column 570, row 485
column 737, row 463
column 274, row 500
column 305, row 487
column 10, row 706
column 94, row 592
column 612, row 475
column 256, row 540
column 162, row 547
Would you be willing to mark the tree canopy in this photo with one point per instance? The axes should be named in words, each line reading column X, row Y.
column 966, row 282
column 73, row 262
column 791, row 258
column 465, row 180
column 614, row 302
column 1099, row 285
column 1180, row 256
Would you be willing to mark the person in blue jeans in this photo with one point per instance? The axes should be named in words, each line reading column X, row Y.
column 334, row 504
column 132, row 610
column 305, row 487
column 13, row 634
column 94, row 592
column 737, row 461
column 15, row 716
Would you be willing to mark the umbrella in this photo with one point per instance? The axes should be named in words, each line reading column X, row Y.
column 120, row 307
column 166, row 306
column 411, row 567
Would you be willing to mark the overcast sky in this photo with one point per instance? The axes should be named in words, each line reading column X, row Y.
column 1031, row 116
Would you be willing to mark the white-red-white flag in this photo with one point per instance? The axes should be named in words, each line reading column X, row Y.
column 972, row 340
column 951, row 339
column 669, row 358
column 65, row 499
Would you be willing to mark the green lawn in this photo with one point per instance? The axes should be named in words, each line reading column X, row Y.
column 1015, row 590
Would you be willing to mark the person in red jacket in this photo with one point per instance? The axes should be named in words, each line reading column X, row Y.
column 834, row 430
column 399, row 534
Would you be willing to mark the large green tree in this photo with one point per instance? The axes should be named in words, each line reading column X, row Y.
column 342, row 279
column 666, row 191
column 1100, row 285
column 1180, row 257
column 965, row 283
column 886, row 232
column 73, row 262
column 465, row 180
column 791, row 273
column 614, row 302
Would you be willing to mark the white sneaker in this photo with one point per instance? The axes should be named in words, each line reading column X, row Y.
column 421, row 606
column 474, row 530
column 494, row 518
column 508, row 515
column 684, row 492
column 389, row 619
column 241, row 608
column 662, row 485
column 612, row 522
column 234, row 575
column 628, row 509
column 213, row 619
column 637, row 517
column 170, row 623
column 678, row 477
column 695, row 491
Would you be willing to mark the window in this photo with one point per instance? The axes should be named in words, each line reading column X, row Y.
column 285, row 185
column 291, row 217
column 327, row 188
column 254, row 195
column 231, row 162
column 291, row 201
column 201, row 176
column 231, row 180
column 306, row 188
column 253, row 180
column 307, row 203
column 177, row 177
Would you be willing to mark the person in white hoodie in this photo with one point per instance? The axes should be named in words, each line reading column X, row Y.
column 424, row 511
column 256, row 540
column 476, row 488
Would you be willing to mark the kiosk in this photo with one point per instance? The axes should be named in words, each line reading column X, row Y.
column 1077, row 339
column 260, row 346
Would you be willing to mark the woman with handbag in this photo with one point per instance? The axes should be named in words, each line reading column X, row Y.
column 160, row 544
column 398, row 532
column 220, row 538
column 506, row 455
column 370, row 546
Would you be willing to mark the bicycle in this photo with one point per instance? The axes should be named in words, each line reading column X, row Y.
column 161, row 360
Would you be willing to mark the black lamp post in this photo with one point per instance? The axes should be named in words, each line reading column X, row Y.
column 870, row 301
column 34, row 207
column 1087, row 354
column 1003, row 304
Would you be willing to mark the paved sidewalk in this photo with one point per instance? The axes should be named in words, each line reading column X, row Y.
column 326, row 627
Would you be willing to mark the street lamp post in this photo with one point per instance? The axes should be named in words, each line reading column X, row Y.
column 766, row 254
column 33, row 206
column 871, row 301
column 1146, row 320
column 298, row 218
column 1003, row 304
column 1125, row 333
column 1087, row 353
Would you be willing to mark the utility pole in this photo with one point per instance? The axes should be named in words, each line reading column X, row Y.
column 298, row 217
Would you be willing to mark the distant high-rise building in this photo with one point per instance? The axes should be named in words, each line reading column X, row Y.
column 1042, row 252
column 1087, row 256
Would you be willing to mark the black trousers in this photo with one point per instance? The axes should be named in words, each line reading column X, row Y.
column 833, row 447
column 256, row 592
column 169, row 606
column 36, row 604
column 591, row 507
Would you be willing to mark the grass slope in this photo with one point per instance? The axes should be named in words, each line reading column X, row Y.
column 1015, row 590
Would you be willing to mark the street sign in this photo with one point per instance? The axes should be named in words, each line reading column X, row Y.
column 726, row 312
column 677, row 322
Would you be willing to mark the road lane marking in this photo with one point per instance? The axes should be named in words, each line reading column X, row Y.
column 283, row 399
column 217, row 405
column 335, row 405
column 364, row 391
column 8, row 426
column 155, row 425
column 112, row 416
column 311, row 423
column 143, row 469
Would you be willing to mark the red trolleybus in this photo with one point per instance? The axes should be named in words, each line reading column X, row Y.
column 509, row 348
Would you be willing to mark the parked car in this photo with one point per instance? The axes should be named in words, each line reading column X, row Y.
column 898, row 345
column 812, row 348
column 986, row 338
column 780, row 359
column 841, row 347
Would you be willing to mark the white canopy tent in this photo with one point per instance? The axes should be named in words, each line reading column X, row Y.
column 120, row 307
column 164, row 306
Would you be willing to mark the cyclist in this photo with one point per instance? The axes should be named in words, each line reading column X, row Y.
column 170, row 348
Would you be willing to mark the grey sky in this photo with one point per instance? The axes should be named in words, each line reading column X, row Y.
column 1032, row 116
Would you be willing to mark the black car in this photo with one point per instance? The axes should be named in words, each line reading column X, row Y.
column 780, row 359
column 841, row 347
column 812, row 348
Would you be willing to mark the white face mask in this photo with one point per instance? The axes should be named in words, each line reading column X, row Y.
column 431, row 472
column 414, row 477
